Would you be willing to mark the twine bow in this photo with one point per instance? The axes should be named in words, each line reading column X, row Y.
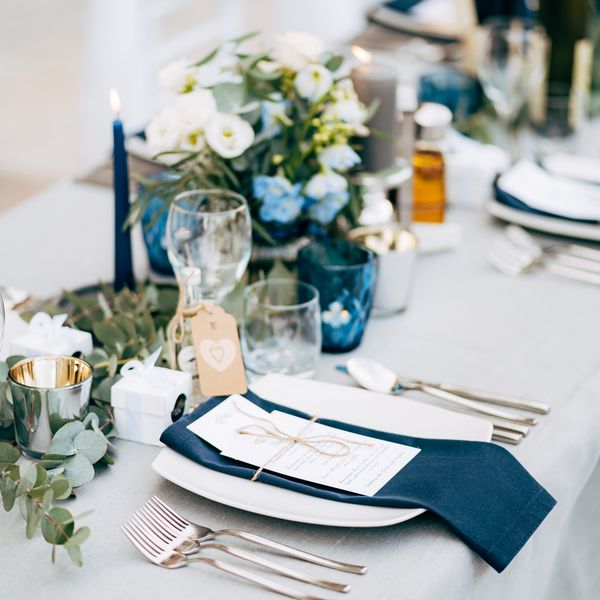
column 312, row 442
column 137, row 368
column 176, row 327
column 46, row 326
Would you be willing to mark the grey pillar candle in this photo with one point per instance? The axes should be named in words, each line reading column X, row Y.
column 372, row 81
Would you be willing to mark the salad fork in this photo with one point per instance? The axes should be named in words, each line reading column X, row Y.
column 152, row 522
column 200, row 533
column 161, row 555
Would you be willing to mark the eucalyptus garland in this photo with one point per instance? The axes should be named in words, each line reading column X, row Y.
column 125, row 326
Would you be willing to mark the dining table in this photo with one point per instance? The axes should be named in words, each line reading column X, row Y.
column 535, row 336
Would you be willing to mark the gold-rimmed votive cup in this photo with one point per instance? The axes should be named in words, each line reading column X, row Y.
column 45, row 390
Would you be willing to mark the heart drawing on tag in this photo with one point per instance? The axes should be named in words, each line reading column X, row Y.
column 219, row 354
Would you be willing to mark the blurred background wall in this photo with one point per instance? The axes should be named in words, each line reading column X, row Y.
column 58, row 58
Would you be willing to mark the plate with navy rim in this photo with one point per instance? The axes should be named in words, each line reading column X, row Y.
column 396, row 414
column 547, row 224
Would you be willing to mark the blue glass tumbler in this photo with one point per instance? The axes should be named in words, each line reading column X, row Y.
column 345, row 275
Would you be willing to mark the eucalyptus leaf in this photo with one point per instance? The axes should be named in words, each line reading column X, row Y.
column 8, row 453
column 3, row 371
column 34, row 515
column 57, row 525
column 78, row 470
column 91, row 444
column 42, row 476
column 80, row 536
column 8, row 490
column 61, row 487
column 74, row 552
column 68, row 432
column 27, row 476
column 11, row 361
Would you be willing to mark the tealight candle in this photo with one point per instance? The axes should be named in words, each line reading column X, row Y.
column 374, row 82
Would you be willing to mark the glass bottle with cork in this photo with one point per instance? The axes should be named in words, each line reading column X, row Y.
column 429, row 189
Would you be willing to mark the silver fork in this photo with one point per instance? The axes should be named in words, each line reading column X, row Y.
column 200, row 533
column 160, row 554
column 539, row 247
column 512, row 260
column 146, row 516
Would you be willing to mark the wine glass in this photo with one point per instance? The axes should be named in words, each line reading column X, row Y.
column 209, row 241
column 512, row 57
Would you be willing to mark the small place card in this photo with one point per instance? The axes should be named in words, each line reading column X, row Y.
column 218, row 353
column 299, row 448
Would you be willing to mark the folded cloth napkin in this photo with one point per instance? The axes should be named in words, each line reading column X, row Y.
column 478, row 488
column 528, row 187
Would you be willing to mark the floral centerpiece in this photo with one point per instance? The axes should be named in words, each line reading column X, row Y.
column 276, row 124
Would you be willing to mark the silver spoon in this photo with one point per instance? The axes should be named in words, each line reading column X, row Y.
column 376, row 377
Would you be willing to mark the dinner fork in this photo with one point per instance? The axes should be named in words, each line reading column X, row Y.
column 200, row 533
column 150, row 520
column 538, row 247
column 512, row 260
column 163, row 556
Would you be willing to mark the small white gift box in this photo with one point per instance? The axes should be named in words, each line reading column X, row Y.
column 47, row 336
column 147, row 399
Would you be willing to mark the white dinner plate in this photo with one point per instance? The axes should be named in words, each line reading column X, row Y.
column 345, row 403
column 554, row 225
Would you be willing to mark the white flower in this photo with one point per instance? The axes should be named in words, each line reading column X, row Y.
column 221, row 68
column 296, row 49
column 229, row 135
column 339, row 156
column 325, row 183
column 178, row 76
column 268, row 66
column 313, row 81
column 194, row 110
column 346, row 106
column 163, row 132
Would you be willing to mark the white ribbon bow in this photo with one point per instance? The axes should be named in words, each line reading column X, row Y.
column 47, row 327
column 137, row 368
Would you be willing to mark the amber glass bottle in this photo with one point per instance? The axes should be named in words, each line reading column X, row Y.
column 429, row 188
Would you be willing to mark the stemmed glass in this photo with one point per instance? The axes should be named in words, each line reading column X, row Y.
column 209, row 241
column 512, row 57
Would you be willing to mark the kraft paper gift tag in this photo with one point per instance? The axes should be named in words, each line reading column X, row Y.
column 218, row 354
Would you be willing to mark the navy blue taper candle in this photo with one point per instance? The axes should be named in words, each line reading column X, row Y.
column 123, row 263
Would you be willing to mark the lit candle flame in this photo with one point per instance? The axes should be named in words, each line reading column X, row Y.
column 364, row 56
column 115, row 101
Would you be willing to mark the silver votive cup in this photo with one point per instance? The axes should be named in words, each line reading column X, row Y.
column 45, row 389
column 396, row 250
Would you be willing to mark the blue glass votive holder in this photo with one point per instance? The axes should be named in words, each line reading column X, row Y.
column 345, row 275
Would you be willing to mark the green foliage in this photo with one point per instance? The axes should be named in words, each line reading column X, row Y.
column 125, row 325
column 37, row 488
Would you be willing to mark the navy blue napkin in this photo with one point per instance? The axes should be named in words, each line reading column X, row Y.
column 478, row 488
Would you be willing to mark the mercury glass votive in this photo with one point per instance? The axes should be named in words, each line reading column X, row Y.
column 45, row 389
column 345, row 275
column 396, row 250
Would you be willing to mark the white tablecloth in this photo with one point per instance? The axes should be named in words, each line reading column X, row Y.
column 537, row 336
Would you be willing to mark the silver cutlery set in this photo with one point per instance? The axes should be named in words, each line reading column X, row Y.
column 508, row 426
column 517, row 252
column 171, row 541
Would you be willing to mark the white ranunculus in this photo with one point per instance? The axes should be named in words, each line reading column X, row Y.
column 221, row 68
column 296, row 49
column 313, row 81
column 178, row 76
column 229, row 135
column 163, row 133
column 339, row 156
column 322, row 184
column 194, row 110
